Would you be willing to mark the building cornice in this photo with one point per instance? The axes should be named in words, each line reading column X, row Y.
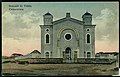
column 70, row 19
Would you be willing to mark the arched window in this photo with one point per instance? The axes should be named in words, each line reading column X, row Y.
column 88, row 38
column 47, row 54
column 47, row 38
column 88, row 54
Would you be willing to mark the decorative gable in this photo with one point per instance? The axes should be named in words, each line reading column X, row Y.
column 66, row 19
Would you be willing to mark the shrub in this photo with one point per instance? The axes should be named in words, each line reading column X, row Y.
column 116, row 69
column 23, row 62
column 6, row 61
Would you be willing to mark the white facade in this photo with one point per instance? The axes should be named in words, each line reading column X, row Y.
column 67, row 37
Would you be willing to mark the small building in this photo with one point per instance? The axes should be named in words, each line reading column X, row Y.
column 15, row 55
column 110, row 55
column 33, row 54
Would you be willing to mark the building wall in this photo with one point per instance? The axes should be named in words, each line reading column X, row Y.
column 77, row 38
column 89, row 47
column 57, row 42
column 46, row 47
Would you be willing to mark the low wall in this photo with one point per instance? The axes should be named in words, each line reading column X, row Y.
column 45, row 60
column 60, row 60
column 95, row 61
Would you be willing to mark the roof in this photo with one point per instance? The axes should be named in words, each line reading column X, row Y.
column 35, row 51
column 70, row 19
column 17, row 54
column 87, row 13
column 47, row 13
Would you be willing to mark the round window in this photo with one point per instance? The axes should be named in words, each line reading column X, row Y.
column 88, row 29
column 68, row 36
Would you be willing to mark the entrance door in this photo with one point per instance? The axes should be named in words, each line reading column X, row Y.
column 68, row 55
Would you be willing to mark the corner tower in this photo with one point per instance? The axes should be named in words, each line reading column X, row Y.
column 48, row 19
column 87, row 18
column 47, row 36
column 89, row 36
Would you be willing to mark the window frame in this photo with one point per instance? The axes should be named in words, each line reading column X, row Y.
column 46, row 29
column 66, row 34
column 87, row 29
column 89, row 39
column 45, row 38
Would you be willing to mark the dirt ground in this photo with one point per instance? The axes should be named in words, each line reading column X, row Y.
column 57, row 69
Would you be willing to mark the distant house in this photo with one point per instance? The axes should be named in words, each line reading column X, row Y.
column 11, row 58
column 15, row 55
column 33, row 54
column 110, row 55
column 5, row 57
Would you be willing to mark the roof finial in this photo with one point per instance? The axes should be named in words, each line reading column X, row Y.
column 67, row 15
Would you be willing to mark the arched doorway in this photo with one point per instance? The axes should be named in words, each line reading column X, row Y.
column 67, row 55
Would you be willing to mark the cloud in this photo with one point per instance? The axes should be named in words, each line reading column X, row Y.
column 105, row 37
column 31, row 18
column 106, row 24
column 20, row 26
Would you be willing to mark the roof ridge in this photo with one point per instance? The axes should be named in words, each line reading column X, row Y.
column 60, row 20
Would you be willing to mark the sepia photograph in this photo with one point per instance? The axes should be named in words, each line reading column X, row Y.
column 60, row 38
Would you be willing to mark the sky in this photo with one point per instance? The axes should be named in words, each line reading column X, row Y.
column 21, row 32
